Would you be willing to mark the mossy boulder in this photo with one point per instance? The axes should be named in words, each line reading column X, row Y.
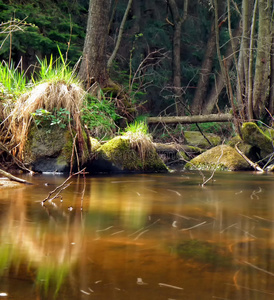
column 118, row 155
column 48, row 150
column 221, row 158
column 196, row 139
column 254, row 136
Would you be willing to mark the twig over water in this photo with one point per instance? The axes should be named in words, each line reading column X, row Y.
column 62, row 187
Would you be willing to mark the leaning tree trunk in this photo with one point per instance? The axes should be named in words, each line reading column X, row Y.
column 94, row 63
column 205, row 73
column 262, row 68
column 212, row 99
column 120, row 34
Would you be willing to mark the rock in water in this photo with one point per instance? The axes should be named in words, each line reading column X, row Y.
column 221, row 158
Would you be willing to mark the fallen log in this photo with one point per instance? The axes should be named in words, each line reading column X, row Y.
column 14, row 178
column 191, row 119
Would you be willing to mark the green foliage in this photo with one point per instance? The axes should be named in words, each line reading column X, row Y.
column 44, row 118
column 137, row 128
column 12, row 80
column 48, row 23
column 99, row 115
column 56, row 70
column 212, row 127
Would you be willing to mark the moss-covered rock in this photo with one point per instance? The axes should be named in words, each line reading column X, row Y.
column 254, row 136
column 48, row 150
column 118, row 155
column 222, row 158
column 196, row 139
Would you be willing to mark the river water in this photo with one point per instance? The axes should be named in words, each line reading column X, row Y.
column 153, row 236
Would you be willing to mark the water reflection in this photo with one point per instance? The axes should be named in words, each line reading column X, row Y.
column 140, row 237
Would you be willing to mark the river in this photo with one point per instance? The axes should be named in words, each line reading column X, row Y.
column 152, row 236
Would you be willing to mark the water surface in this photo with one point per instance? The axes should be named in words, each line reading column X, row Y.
column 160, row 236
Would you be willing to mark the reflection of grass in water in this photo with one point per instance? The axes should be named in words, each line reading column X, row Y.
column 51, row 275
column 204, row 252
column 5, row 257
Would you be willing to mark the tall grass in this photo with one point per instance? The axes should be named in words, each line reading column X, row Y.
column 54, row 70
column 54, row 86
column 13, row 81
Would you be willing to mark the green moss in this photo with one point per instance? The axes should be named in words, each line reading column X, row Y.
column 196, row 139
column 120, row 152
column 43, row 142
column 254, row 136
column 184, row 156
column 205, row 252
column 66, row 151
column 269, row 133
column 94, row 144
column 220, row 158
column 55, row 144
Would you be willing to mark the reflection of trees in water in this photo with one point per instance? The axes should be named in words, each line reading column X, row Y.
column 33, row 248
column 129, row 231
column 246, row 238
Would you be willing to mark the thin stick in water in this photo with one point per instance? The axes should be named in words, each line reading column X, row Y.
column 195, row 226
column 170, row 286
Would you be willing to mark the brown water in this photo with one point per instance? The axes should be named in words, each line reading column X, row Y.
column 139, row 237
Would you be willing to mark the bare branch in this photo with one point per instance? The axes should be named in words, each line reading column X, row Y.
column 61, row 187
column 251, row 163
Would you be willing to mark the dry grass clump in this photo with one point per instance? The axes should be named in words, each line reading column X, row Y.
column 48, row 96
column 139, row 138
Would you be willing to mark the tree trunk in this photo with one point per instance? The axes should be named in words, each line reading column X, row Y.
column 191, row 119
column 136, row 11
column 271, row 94
column 212, row 99
column 250, row 63
column 176, row 63
column 94, row 63
column 262, row 68
column 242, row 86
column 205, row 73
column 120, row 34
